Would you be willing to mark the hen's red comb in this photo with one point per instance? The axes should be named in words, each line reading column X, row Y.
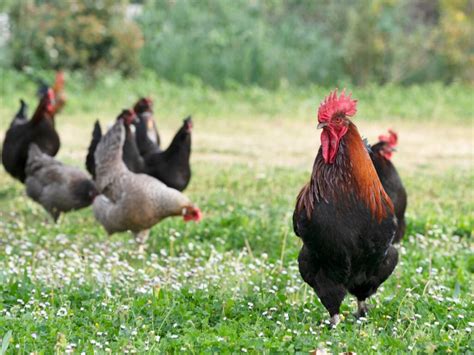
column 333, row 105
column 391, row 138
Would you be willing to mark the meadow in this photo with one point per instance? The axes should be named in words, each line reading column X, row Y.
column 231, row 283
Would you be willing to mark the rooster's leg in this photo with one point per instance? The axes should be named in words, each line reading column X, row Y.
column 369, row 286
column 361, row 309
column 141, row 238
column 329, row 292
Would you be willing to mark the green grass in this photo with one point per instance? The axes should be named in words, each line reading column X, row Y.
column 231, row 282
column 90, row 100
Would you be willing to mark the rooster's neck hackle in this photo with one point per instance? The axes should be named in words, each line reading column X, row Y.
column 352, row 174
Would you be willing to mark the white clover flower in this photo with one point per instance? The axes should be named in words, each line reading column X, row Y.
column 62, row 312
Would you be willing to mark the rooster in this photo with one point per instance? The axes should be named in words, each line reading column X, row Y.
column 39, row 129
column 148, row 139
column 172, row 165
column 130, row 201
column 131, row 154
column 343, row 215
column 381, row 154
column 55, row 186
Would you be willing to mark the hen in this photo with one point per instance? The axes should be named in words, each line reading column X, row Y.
column 130, row 201
column 343, row 215
column 131, row 156
column 57, row 187
column 381, row 154
column 172, row 165
column 148, row 139
column 39, row 129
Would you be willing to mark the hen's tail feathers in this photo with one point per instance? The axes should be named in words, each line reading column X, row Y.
column 96, row 136
column 108, row 155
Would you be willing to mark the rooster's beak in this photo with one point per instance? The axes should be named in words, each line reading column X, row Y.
column 322, row 125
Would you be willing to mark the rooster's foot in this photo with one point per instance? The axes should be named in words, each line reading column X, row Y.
column 362, row 309
column 334, row 320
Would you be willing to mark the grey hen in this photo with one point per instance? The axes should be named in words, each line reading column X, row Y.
column 129, row 201
column 55, row 186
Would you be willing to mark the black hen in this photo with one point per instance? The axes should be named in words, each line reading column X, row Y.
column 148, row 139
column 40, row 130
column 172, row 165
column 131, row 155
column 381, row 153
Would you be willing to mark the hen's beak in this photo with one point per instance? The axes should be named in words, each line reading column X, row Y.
column 322, row 125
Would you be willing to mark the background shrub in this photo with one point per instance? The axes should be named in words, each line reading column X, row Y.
column 269, row 43
column 88, row 35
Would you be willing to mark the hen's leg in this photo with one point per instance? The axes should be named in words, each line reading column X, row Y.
column 369, row 287
column 141, row 238
column 329, row 292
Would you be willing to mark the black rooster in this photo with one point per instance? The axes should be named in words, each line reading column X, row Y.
column 343, row 215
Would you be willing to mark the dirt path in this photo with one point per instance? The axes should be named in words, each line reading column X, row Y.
column 294, row 143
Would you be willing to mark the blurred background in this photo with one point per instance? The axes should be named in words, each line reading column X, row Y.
column 221, row 43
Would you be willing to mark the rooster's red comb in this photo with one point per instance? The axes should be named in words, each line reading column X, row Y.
column 333, row 105
column 391, row 138
column 59, row 81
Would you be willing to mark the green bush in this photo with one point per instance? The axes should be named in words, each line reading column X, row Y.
column 89, row 35
column 269, row 43
column 308, row 41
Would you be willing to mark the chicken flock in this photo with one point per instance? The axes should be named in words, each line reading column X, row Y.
column 348, row 216
column 133, row 185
